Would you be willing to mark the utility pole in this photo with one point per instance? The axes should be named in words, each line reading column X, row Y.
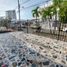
column 27, row 27
column 19, row 14
column 19, row 10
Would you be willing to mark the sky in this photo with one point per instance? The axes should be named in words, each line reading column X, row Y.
column 26, row 13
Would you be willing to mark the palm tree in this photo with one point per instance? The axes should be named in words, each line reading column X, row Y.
column 46, row 14
column 63, row 12
column 35, row 13
column 43, row 14
column 57, row 4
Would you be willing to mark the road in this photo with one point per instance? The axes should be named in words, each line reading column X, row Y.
column 15, row 52
column 54, row 34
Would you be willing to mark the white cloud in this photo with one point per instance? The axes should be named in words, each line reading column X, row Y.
column 7, row 5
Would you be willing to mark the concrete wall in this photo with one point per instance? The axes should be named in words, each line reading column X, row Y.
column 48, row 25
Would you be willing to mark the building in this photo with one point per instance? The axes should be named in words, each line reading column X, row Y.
column 11, row 14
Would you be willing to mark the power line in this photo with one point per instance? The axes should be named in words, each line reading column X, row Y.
column 25, row 2
column 22, row 3
column 34, row 5
column 19, row 5
column 37, row 4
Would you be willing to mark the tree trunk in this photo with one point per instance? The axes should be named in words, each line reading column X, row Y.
column 59, row 30
column 50, row 25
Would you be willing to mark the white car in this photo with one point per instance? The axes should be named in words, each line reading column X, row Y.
column 65, row 29
column 3, row 28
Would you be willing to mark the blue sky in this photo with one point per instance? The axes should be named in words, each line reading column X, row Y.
column 12, row 4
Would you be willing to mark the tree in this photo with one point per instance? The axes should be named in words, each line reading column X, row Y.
column 5, row 22
column 46, row 14
column 49, row 10
column 35, row 13
column 62, row 5
column 63, row 12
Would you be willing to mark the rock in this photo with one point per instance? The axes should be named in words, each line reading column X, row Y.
column 38, row 54
column 52, row 65
column 61, row 65
column 66, row 57
column 23, row 59
column 27, row 63
column 57, row 65
column 63, row 61
column 41, row 48
column 19, row 63
column 30, row 61
column 44, row 51
column 46, row 63
column 48, row 43
column 32, row 52
column 33, row 65
column 54, row 56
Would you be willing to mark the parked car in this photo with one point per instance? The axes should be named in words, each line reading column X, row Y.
column 3, row 28
column 65, row 29
column 34, row 26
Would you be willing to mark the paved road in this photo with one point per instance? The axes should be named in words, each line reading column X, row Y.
column 7, row 43
column 15, row 51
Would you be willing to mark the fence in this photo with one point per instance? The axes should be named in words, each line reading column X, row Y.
column 56, row 34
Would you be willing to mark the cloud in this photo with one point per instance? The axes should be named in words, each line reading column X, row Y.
column 7, row 5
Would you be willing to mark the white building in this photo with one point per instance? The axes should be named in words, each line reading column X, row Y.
column 11, row 14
